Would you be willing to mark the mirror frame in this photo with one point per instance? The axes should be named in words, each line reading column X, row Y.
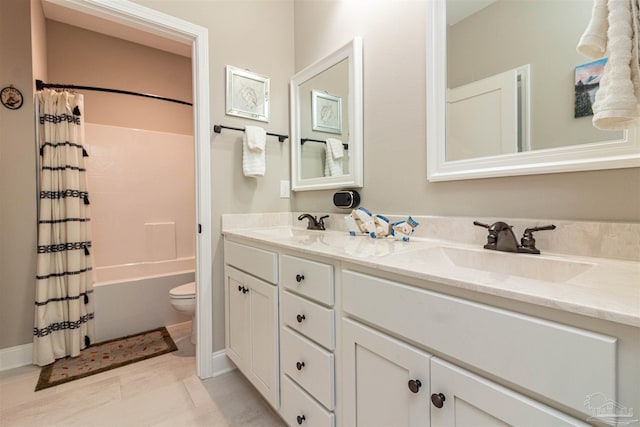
column 615, row 154
column 352, row 51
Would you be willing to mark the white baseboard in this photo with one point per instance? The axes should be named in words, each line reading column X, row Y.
column 221, row 363
column 14, row 357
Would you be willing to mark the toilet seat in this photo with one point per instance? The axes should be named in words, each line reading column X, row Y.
column 186, row 291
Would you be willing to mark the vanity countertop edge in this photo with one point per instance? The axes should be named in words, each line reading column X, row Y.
column 607, row 291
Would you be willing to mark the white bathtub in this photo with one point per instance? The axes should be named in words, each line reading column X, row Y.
column 132, row 298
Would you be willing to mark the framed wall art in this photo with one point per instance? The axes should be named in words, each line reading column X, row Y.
column 326, row 112
column 247, row 94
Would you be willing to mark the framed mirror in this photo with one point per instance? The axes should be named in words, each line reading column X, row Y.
column 502, row 91
column 326, row 122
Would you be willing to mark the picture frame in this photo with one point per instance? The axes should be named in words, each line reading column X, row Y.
column 586, row 85
column 326, row 112
column 247, row 94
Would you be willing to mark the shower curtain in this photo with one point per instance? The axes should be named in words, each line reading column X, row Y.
column 64, row 278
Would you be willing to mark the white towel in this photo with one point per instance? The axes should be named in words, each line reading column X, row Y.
column 337, row 149
column 333, row 159
column 593, row 43
column 253, row 151
column 616, row 105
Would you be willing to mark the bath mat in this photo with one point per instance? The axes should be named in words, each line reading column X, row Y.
column 107, row 355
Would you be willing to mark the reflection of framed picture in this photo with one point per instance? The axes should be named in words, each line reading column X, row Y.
column 247, row 94
column 586, row 84
column 326, row 111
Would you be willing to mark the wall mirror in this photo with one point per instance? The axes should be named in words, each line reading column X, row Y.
column 326, row 122
column 501, row 79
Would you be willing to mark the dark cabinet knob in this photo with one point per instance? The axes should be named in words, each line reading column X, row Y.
column 299, row 365
column 239, row 288
column 245, row 290
column 299, row 277
column 438, row 399
column 414, row 385
column 300, row 318
column 300, row 419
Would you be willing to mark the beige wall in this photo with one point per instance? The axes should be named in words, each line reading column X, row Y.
column 255, row 35
column 394, row 40
column 109, row 62
column 17, row 180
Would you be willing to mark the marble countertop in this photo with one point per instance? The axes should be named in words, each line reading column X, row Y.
column 597, row 287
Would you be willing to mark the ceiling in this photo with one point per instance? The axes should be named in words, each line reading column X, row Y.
column 62, row 14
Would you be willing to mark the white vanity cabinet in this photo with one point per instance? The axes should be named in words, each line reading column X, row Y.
column 307, row 342
column 550, row 359
column 385, row 382
column 251, row 314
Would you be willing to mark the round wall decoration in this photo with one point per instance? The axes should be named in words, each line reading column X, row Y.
column 11, row 98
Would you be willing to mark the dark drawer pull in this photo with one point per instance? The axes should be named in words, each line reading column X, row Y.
column 300, row 318
column 438, row 400
column 414, row 386
column 300, row 419
column 245, row 290
column 299, row 277
column 299, row 366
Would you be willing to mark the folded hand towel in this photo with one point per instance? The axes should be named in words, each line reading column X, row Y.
column 253, row 151
column 616, row 104
column 337, row 149
column 333, row 164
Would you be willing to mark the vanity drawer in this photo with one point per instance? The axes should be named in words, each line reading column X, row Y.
column 563, row 363
column 309, row 319
column 309, row 278
column 296, row 403
column 257, row 262
column 316, row 373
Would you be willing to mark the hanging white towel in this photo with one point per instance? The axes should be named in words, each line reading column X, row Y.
column 593, row 43
column 333, row 159
column 616, row 104
column 253, row 151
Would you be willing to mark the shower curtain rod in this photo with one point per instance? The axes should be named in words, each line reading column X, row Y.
column 303, row 140
column 41, row 85
column 218, row 129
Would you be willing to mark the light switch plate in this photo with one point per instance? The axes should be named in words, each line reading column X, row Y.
column 284, row 189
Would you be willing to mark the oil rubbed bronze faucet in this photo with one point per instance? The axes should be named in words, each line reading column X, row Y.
column 314, row 222
column 501, row 238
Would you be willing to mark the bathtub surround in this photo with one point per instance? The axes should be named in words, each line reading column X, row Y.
column 142, row 185
column 108, row 355
column 64, row 279
column 131, row 299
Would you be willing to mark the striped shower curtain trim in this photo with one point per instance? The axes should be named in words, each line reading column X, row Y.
column 64, row 279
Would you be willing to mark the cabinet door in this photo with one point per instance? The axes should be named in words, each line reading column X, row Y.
column 263, row 339
column 237, row 316
column 470, row 400
column 377, row 373
column 252, row 331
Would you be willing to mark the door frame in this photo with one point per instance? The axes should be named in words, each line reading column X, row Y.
column 159, row 24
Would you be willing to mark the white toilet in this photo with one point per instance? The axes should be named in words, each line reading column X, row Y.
column 183, row 299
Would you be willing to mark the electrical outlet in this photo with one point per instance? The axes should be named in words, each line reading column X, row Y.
column 284, row 189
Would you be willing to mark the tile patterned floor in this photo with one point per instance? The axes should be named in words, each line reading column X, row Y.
column 163, row 391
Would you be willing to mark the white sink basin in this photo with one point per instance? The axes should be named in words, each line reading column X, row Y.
column 537, row 267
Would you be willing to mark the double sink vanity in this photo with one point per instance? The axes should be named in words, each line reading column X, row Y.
column 339, row 330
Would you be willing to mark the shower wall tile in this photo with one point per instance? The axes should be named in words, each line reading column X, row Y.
column 138, row 177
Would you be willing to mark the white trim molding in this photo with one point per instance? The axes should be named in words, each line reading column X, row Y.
column 221, row 363
column 151, row 21
column 15, row 357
